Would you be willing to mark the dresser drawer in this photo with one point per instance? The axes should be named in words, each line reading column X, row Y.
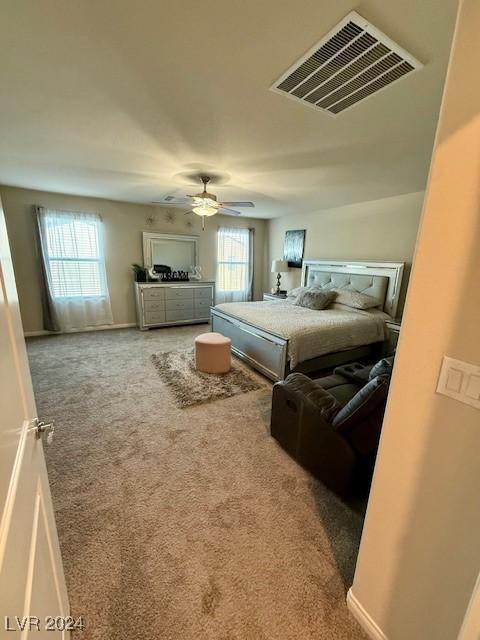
column 202, row 308
column 179, row 293
column 181, row 305
column 154, row 317
column 154, row 305
column 173, row 315
column 153, row 294
column 204, row 293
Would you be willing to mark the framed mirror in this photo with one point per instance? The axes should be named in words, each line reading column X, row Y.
column 172, row 250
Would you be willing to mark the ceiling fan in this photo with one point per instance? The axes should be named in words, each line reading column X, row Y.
column 205, row 204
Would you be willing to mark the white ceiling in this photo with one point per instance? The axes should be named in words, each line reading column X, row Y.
column 120, row 99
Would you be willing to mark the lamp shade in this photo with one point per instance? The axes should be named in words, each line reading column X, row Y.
column 279, row 266
column 205, row 210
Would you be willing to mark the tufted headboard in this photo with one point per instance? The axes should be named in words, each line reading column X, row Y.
column 381, row 280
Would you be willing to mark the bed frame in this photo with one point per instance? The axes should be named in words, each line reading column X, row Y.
column 267, row 352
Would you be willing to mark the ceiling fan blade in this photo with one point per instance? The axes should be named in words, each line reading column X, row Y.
column 174, row 200
column 229, row 212
column 238, row 204
column 172, row 204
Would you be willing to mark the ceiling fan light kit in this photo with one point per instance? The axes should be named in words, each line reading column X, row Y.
column 205, row 204
column 205, row 210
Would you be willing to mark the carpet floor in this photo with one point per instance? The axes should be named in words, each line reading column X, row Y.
column 183, row 524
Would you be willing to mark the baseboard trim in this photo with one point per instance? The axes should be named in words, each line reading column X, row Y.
column 33, row 334
column 363, row 618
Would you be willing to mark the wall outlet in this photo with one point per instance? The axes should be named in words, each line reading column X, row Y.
column 460, row 380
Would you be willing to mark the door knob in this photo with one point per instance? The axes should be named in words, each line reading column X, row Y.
column 45, row 427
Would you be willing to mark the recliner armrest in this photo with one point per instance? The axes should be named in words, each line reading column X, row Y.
column 370, row 397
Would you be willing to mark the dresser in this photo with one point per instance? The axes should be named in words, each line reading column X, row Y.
column 173, row 303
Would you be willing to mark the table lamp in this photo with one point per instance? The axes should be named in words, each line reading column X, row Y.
column 279, row 267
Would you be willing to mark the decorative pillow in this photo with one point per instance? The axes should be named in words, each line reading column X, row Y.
column 369, row 398
column 314, row 299
column 383, row 367
column 293, row 293
column 356, row 299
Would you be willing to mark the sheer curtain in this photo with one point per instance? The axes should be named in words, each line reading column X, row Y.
column 73, row 267
column 234, row 265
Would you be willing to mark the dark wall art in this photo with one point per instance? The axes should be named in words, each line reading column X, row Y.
column 293, row 248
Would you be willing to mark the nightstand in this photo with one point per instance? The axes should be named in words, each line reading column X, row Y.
column 274, row 296
column 393, row 331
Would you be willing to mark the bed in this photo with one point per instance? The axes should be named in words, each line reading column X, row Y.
column 276, row 337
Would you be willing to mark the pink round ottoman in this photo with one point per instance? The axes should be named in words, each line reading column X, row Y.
column 212, row 353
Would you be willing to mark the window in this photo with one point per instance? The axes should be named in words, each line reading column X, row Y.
column 234, row 263
column 74, row 282
column 73, row 254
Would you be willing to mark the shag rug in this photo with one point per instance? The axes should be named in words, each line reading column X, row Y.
column 191, row 387
column 184, row 524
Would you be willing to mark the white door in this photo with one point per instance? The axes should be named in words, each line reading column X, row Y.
column 32, row 585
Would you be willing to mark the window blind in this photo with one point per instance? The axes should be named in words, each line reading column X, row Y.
column 233, row 259
column 74, row 256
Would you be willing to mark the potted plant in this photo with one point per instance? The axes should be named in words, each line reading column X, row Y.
column 140, row 273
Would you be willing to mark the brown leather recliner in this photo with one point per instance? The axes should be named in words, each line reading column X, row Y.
column 332, row 425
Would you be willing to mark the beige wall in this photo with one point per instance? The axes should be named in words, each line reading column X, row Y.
column 420, row 551
column 124, row 223
column 382, row 229
column 379, row 230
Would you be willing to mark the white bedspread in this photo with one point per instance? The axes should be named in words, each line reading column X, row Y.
column 311, row 333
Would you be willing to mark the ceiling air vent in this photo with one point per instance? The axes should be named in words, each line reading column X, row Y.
column 352, row 62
